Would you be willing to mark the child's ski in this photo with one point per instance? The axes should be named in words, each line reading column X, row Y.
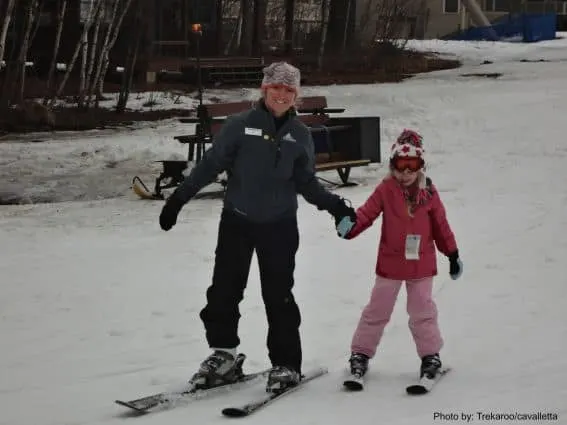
column 425, row 384
column 354, row 383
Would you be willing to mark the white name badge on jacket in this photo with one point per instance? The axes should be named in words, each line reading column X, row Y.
column 412, row 247
column 249, row 131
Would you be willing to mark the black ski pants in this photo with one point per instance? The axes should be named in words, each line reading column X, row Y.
column 276, row 245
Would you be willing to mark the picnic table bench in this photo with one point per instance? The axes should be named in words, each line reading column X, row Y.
column 340, row 143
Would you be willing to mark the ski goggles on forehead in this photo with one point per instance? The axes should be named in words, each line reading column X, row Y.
column 412, row 164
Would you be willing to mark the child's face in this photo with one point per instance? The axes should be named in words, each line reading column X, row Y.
column 405, row 169
column 406, row 177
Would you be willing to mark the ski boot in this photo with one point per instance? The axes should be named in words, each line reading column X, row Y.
column 219, row 368
column 280, row 378
column 358, row 364
column 430, row 365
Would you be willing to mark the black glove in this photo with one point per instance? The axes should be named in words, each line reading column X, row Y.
column 342, row 210
column 169, row 212
column 455, row 265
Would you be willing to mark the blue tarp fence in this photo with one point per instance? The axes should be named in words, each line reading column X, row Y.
column 526, row 27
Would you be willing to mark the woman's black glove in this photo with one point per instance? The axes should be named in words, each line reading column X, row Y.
column 345, row 217
column 169, row 212
column 342, row 210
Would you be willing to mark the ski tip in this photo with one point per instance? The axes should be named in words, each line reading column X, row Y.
column 416, row 390
column 353, row 385
column 130, row 406
column 234, row 412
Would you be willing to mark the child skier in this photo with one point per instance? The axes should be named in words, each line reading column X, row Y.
column 413, row 224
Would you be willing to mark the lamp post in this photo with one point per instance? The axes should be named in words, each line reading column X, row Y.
column 197, row 30
column 203, row 126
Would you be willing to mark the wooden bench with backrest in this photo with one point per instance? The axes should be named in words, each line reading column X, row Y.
column 313, row 111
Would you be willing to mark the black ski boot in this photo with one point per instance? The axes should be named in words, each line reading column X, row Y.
column 430, row 365
column 219, row 368
column 358, row 364
column 280, row 378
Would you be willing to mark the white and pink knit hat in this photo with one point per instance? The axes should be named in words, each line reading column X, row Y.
column 281, row 73
column 408, row 144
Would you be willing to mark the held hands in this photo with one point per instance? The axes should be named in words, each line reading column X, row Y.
column 345, row 226
column 169, row 212
column 455, row 265
column 345, row 218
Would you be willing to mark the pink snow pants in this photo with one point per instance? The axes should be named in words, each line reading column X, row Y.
column 421, row 309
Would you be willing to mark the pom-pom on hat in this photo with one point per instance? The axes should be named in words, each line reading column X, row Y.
column 281, row 73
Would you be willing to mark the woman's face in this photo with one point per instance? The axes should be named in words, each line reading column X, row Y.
column 279, row 99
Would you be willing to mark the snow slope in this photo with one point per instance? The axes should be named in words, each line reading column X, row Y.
column 97, row 303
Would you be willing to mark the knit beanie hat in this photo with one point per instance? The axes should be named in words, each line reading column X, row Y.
column 409, row 144
column 281, row 73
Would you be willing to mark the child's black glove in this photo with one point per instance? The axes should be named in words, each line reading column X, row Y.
column 169, row 212
column 455, row 265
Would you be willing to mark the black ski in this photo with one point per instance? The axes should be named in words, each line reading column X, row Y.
column 426, row 384
column 169, row 399
column 255, row 405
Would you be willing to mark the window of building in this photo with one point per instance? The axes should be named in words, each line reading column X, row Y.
column 452, row 6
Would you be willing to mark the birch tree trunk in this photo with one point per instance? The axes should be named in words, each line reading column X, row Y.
column 93, row 79
column 53, row 64
column 289, row 18
column 235, row 34
column 347, row 20
column 99, row 78
column 325, row 4
column 95, row 4
column 133, row 48
column 92, row 48
column 5, row 26
column 88, row 46
column 31, row 13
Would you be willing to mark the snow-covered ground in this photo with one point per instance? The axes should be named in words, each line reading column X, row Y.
column 97, row 303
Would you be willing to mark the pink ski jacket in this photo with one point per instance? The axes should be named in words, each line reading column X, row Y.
column 427, row 222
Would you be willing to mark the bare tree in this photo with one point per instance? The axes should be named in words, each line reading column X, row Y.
column 134, row 45
column 325, row 5
column 5, row 25
column 386, row 21
column 245, row 41
column 93, row 7
column 260, row 9
column 89, row 45
column 87, row 75
column 32, row 12
column 115, row 24
column 53, row 64
column 229, row 9
column 289, row 18
column 347, row 20
column 93, row 78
